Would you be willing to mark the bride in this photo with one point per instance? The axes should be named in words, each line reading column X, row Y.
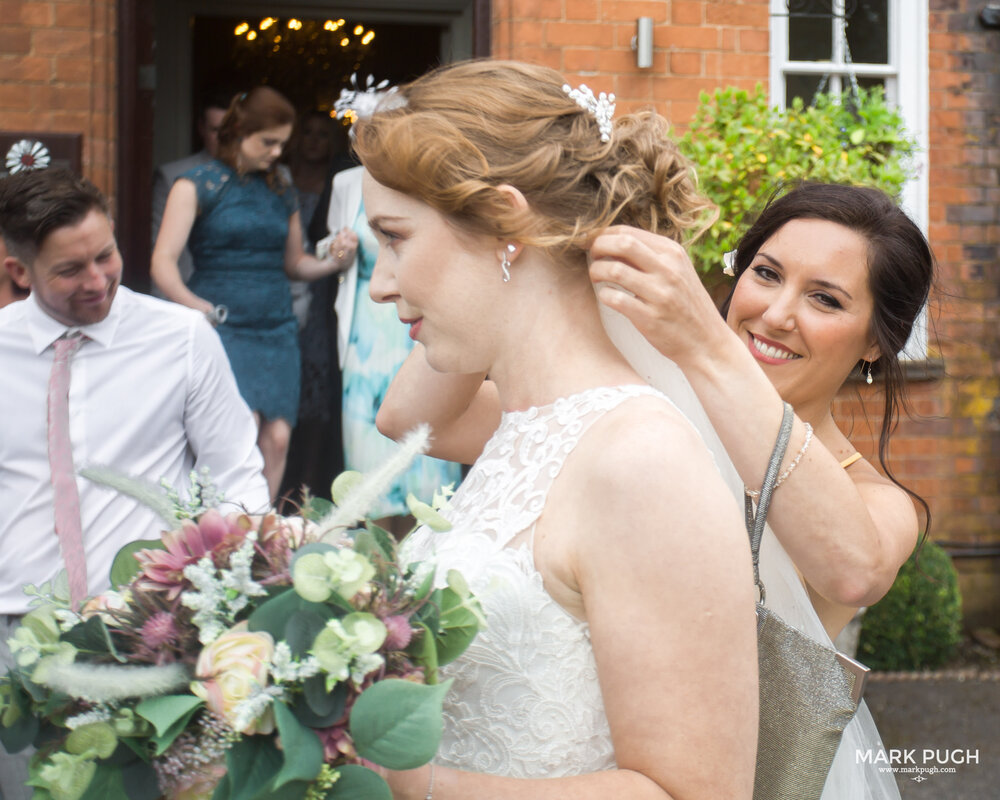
column 619, row 655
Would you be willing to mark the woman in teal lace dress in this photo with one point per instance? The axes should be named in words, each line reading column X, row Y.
column 240, row 219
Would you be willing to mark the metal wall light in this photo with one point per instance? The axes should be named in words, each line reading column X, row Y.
column 642, row 42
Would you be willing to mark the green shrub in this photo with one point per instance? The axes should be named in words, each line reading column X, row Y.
column 918, row 624
column 743, row 150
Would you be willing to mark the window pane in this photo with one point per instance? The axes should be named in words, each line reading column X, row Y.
column 803, row 86
column 868, row 32
column 868, row 83
column 809, row 38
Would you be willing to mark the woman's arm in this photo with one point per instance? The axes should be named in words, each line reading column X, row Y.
column 302, row 266
column 463, row 411
column 847, row 533
column 178, row 219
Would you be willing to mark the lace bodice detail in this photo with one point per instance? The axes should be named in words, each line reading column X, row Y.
column 525, row 700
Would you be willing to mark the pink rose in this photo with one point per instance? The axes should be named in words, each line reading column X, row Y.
column 233, row 668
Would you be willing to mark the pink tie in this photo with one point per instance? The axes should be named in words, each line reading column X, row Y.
column 66, row 498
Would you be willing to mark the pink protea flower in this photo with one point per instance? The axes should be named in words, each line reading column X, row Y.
column 160, row 630
column 399, row 632
column 212, row 534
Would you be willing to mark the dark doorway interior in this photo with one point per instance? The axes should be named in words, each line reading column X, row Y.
column 309, row 60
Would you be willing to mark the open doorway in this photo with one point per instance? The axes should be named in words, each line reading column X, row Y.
column 173, row 51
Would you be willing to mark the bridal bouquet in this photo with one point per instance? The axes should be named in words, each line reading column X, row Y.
column 257, row 657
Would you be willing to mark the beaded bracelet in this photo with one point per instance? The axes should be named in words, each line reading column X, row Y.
column 753, row 493
column 430, row 786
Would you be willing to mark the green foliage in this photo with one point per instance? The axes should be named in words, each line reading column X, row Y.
column 918, row 624
column 743, row 150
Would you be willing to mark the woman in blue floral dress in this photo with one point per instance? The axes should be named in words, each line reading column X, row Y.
column 374, row 345
column 239, row 217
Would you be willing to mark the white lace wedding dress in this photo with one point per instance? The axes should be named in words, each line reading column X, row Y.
column 525, row 702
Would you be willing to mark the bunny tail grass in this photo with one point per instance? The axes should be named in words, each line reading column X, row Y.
column 108, row 683
column 149, row 494
column 376, row 483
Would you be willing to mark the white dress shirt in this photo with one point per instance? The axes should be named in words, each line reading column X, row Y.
column 151, row 395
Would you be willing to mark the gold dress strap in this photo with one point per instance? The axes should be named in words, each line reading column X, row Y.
column 850, row 460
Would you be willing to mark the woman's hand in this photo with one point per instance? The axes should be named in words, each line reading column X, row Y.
column 343, row 249
column 664, row 297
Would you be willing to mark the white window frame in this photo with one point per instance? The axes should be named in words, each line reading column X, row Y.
column 906, row 80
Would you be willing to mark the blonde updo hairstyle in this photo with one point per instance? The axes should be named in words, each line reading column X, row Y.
column 451, row 137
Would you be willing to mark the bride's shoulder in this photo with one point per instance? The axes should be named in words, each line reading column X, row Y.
column 646, row 439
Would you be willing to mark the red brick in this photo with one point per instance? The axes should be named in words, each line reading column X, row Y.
column 755, row 41
column 682, row 88
column 25, row 121
column 73, row 70
column 737, row 14
column 537, row 9
column 686, row 38
column 582, row 10
column 70, row 121
column 615, row 60
column 15, row 98
column 61, row 43
column 577, row 33
column 745, row 65
column 74, row 15
column 36, row 15
column 25, row 68
column 581, row 60
column 686, row 12
column 686, row 64
column 14, row 41
column 634, row 87
column 10, row 12
column 543, row 56
column 633, row 9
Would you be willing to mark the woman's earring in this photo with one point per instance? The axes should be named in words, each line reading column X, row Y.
column 505, row 262
column 868, row 377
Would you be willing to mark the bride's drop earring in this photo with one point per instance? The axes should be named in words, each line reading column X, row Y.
column 505, row 262
column 868, row 377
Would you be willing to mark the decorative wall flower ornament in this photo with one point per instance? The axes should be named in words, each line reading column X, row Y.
column 27, row 154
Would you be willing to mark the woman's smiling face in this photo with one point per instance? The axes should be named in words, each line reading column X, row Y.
column 804, row 310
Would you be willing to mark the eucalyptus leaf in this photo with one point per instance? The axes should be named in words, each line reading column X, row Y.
column 252, row 764
column 272, row 615
column 93, row 636
column 359, row 783
column 458, row 627
column 397, row 723
column 169, row 715
column 302, row 748
column 302, row 628
column 125, row 566
column 107, row 784
column 423, row 651
column 140, row 781
column 318, row 708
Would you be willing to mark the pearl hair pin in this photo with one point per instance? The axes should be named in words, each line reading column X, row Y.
column 602, row 107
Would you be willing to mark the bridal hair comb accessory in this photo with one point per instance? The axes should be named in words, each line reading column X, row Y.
column 729, row 263
column 602, row 107
column 357, row 103
column 508, row 251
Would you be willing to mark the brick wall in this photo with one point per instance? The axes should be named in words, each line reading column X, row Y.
column 964, row 152
column 57, row 74
column 699, row 45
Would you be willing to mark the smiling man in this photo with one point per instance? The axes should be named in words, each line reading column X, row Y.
column 93, row 373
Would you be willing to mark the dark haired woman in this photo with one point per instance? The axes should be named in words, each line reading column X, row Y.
column 239, row 217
